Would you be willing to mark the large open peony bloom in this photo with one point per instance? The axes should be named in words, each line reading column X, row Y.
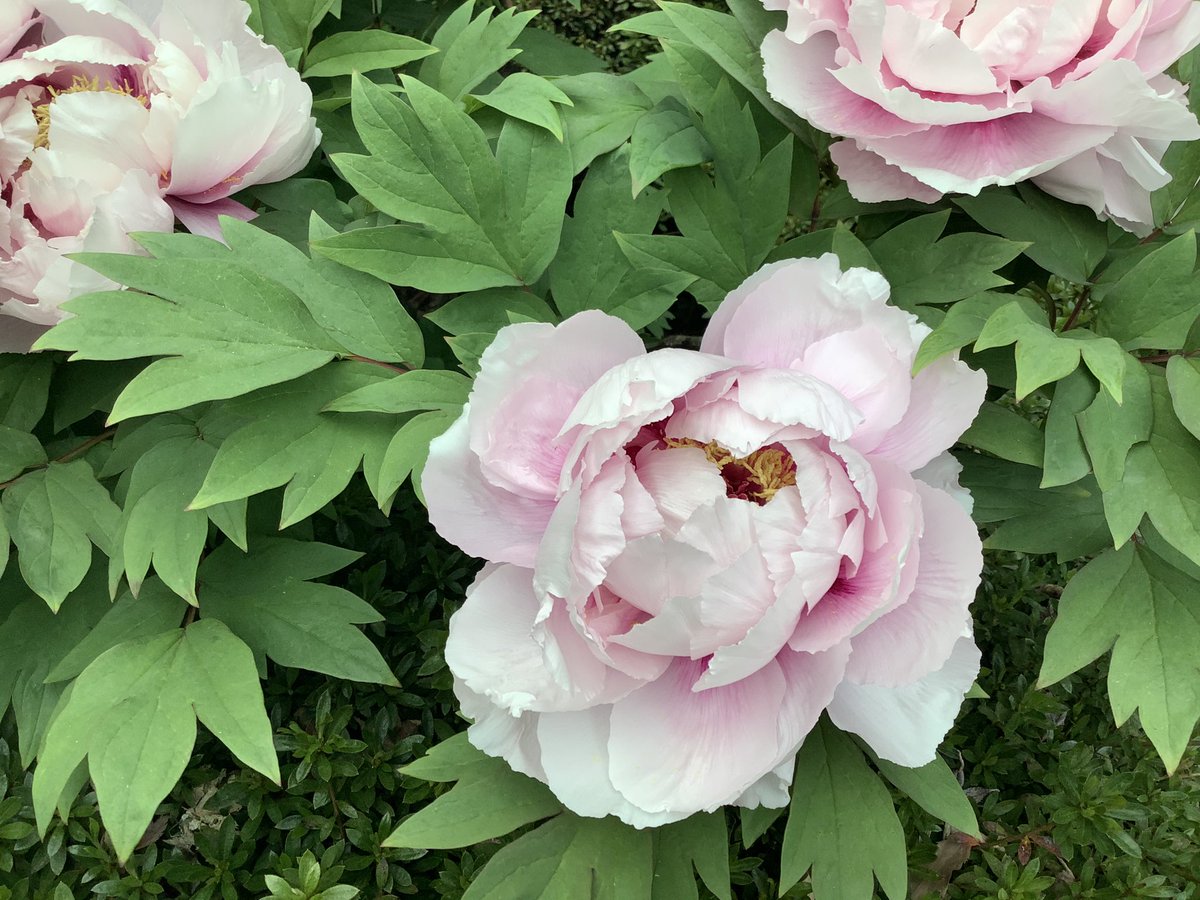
column 950, row 96
column 693, row 554
column 122, row 116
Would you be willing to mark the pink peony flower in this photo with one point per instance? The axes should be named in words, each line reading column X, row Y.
column 950, row 96
column 693, row 554
column 118, row 116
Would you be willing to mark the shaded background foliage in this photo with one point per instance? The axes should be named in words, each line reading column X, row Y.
column 1070, row 805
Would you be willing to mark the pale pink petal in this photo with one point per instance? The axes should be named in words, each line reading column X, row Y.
column 681, row 480
column 966, row 158
column 575, row 757
column 497, row 733
column 905, row 725
column 473, row 514
column 204, row 219
column 872, row 180
column 707, row 747
column 916, row 638
column 946, row 396
column 815, row 573
column 930, row 57
column 530, row 378
column 499, row 650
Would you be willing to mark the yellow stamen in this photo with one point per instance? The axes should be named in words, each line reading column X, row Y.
column 757, row 477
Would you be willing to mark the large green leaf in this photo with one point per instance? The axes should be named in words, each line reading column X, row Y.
column 1148, row 613
column 570, row 858
column 1161, row 480
column 590, row 271
column 266, row 599
column 842, row 826
column 472, row 48
column 224, row 328
column 131, row 714
column 700, row 842
column 362, row 51
column 282, row 436
column 1155, row 302
column 24, row 390
column 35, row 641
column 157, row 525
column 1067, row 239
column 922, row 269
column 490, row 800
column 478, row 220
column 54, row 516
column 729, row 224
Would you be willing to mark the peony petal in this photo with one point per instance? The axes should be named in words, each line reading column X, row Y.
column 575, row 756
column 946, row 396
column 672, row 749
column 905, row 725
column 204, row 219
column 473, row 514
column 872, row 180
column 915, row 639
column 530, row 378
column 966, row 158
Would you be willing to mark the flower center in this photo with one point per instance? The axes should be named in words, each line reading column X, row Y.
column 79, row 84
column 757, row 477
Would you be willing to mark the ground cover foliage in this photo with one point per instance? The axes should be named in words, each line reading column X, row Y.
column 217, row 463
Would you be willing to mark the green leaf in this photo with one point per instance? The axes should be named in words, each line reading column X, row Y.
column 545, row 53
column 934, row 788
column 363, row 51
column 266, row 601
column 361, row 312
column 756, row 821
column 35, row 640
column 472, row 48
column 962, row 325
column 921, row 271
column 155, row 610
column 19, row 451
column 1067, row 239
column 569, row 857
column 132, row 715
column 1183, row 380
column 729, row 224
column 721, row 37
column 1161, row 480
column 1110, row 429
column 1066, row 458
column 157, row 526
column 486, row 312
column 701, row 841
column 606, row 109
column 1155, row 302
column 406, row 455
column 225, row 328
column 24, row 390
column 1148, row 613
column 1044, row 356
column 480, row 220
column 591, row 271
column 1067, row 521
column 663, row 140
column 489, row 801
column 842, row 825
column 427, row 389
column 289, row 24
column 54, row 516
column 282, row 436
column 531, row 99
column 1007, row 434
column 450, row 760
